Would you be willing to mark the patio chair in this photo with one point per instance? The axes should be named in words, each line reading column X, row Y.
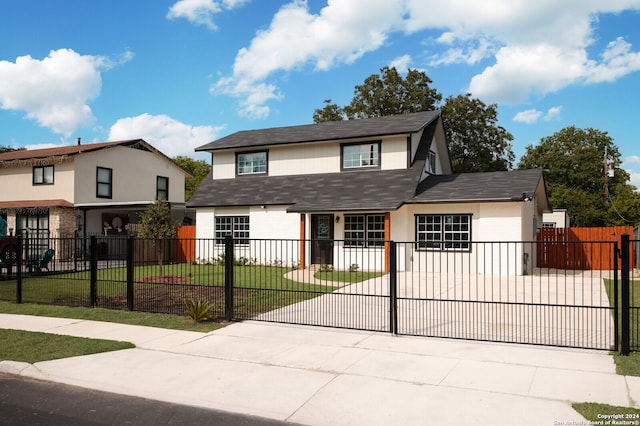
column 43, row 262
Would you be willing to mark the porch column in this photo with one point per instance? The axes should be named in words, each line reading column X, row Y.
column 303, row 243
column 387, row 238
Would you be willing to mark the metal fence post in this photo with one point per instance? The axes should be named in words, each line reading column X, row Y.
column 228, row 278
column 616, row 301
column 93, row 267
column 624, row 317
column 393, row 288
column 19, row 271
column 130, row 271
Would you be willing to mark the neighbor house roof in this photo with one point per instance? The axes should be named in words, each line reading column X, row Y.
column 13, row 158
column 34, row 203
column 335, row 130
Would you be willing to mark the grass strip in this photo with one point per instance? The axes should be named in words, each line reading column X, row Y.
column 599, row 413
column 174, row 322
column 31, row 347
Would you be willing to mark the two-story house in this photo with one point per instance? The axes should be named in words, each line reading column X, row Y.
column 86, row 189
column 362, row 182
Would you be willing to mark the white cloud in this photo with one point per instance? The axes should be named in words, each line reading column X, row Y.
column 339, row 34
column 201, row 12
column 401, row 63
column 529, row 116
column 553, row 113
column 166, row 134
column 533, row 115
column 56, row 90
column 536, row 48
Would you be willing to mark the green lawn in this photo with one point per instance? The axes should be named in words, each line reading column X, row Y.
column 257, row 288
column 628, row 365
column 25, row 346
column 597, row 413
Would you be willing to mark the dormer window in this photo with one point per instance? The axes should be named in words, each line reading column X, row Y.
column 361, row 155
column 251, row 163
column 431, row 163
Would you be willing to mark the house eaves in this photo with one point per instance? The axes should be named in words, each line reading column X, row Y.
column 322, row 132
column 61, row 154
column 502, row 186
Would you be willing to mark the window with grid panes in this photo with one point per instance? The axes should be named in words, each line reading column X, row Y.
column 443, row 232
column 236, row 226
column 364, row 230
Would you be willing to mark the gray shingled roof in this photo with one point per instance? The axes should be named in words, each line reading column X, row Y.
column 478, row 187
column 336, row 130
column 347, row 191
column 372, row 190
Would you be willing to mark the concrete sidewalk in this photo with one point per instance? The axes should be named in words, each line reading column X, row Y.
column 321, row 376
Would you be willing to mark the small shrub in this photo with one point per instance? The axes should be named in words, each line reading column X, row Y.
column 198, row 310
column 326, row 268
column 354, row 267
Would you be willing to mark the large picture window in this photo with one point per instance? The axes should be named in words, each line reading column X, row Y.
column 364, row 230
column 104, row 182
column 443, row 232
column 236, row 226
column 361, row 155
column 43, row 175
column 251, row 163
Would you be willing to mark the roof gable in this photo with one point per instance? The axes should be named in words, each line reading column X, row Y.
column 45, row 155
column 335, row 130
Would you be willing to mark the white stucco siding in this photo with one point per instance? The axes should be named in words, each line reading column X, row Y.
column 18, row 184
column 496, row 235
column 304, row 159
column 134, row 177
column 273, row 235
column 498, row 222
column 313, row 158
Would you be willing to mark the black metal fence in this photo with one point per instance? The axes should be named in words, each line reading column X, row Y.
column 491, row 291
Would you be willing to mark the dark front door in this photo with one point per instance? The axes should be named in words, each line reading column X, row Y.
column 322, row 239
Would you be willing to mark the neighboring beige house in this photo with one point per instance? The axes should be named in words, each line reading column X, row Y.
column 86, row 189
column 558, row 218
column 363, row 182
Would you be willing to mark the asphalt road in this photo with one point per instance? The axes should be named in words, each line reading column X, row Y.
column 25, row 401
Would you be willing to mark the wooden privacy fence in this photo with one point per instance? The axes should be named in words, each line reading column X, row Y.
column 185, row 244
column 579, row 248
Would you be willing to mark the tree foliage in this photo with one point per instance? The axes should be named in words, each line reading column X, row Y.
column 478, row 143
column 573, row 160
column 198, row 168
column 157, row 224
column 9, row 149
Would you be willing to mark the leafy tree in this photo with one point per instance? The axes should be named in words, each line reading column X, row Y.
column 198, row 168
column 389, row 94
column 330, row 112
column 8, row 149
column 478, row 143
column 574, row 163
column 157, row 224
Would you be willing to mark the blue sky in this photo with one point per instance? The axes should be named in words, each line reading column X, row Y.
column 181, row 73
